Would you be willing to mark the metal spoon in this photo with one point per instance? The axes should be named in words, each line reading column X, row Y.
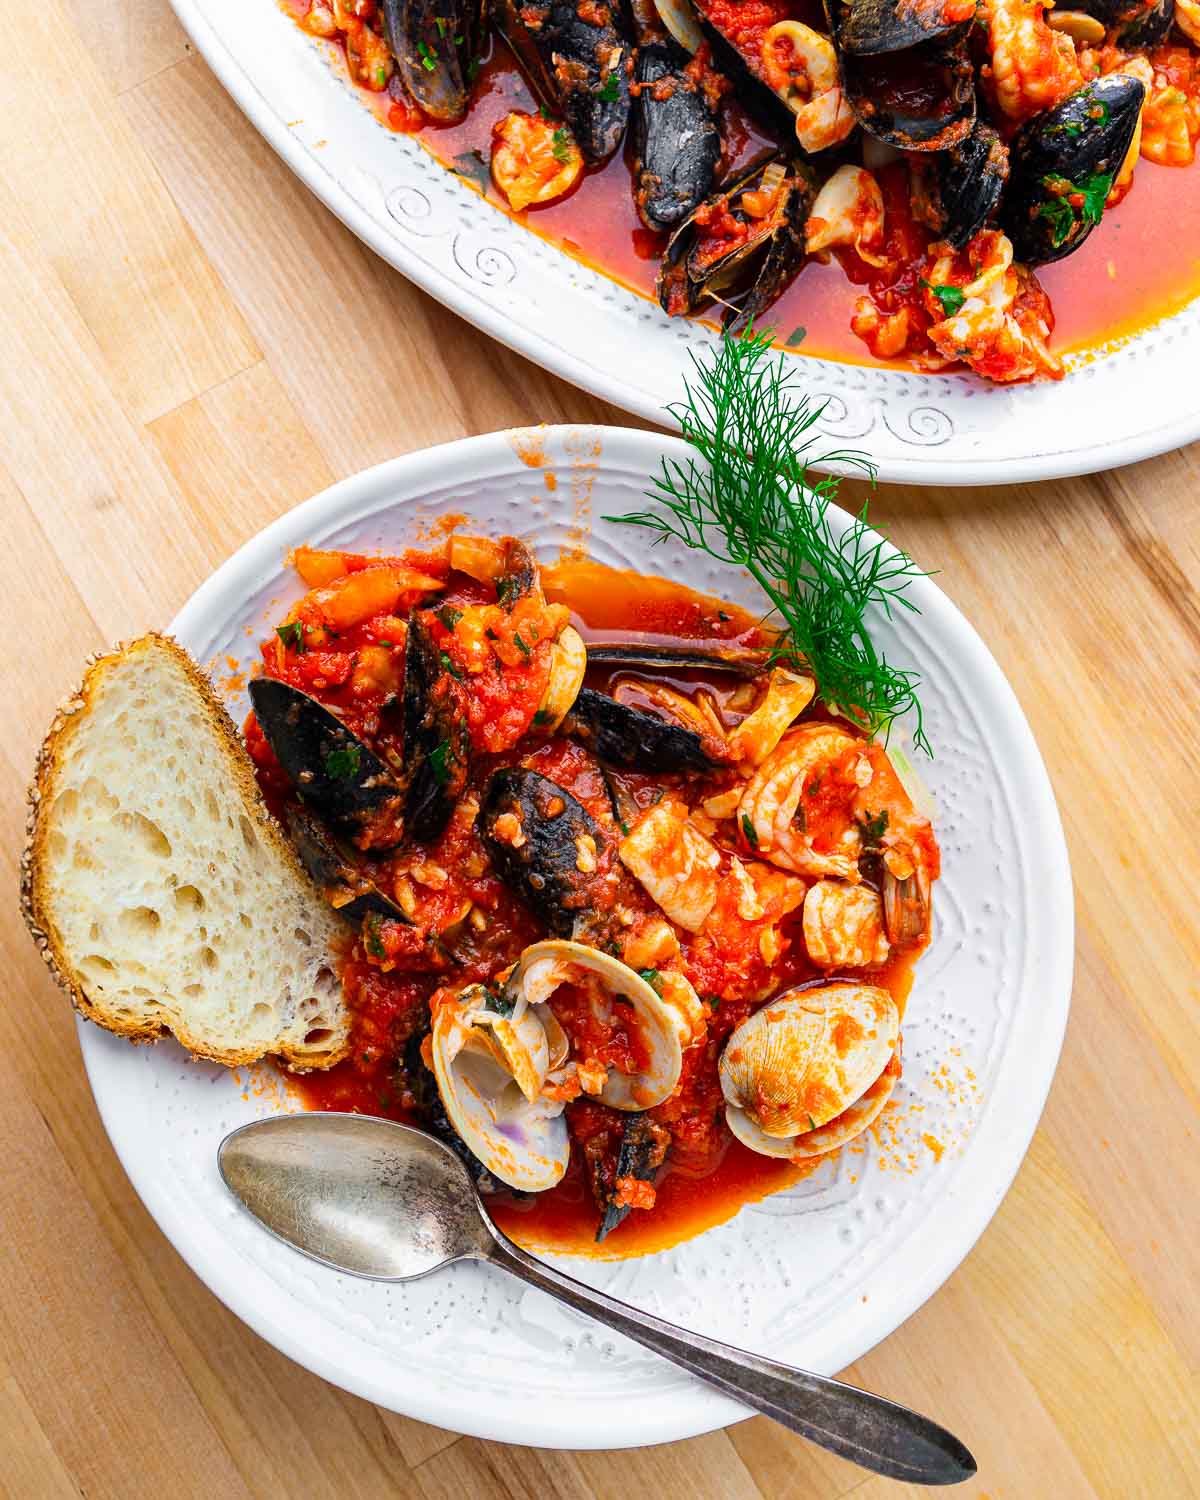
column 390, row 1203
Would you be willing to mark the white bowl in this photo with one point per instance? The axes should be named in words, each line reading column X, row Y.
column 815, row 1275
column 1128, row 404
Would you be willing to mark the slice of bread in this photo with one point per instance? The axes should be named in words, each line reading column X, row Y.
column 157, row 886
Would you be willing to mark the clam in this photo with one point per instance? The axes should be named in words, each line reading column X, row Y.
column 797, row 1074
column 655, row 1024
column 491, row 1064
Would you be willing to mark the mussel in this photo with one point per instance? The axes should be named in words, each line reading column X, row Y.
column 574, row 57
column 968, row 182
column 613, row 989
column 870, row 28
column 1149, row 27
column 739, row 661
column 545, row 844
column 639, row 1154
column 436, row 45
column 745, row 242
column 436, row 736
column 798, row 1074
column 336, row 774
column 919, row 100
column 491, row 1064
column 1063, row 164
column 625, row 736
column 676, row 140
column 352, row 894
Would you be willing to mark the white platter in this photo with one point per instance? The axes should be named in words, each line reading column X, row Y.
column 1133, row 402
column 816, row 1275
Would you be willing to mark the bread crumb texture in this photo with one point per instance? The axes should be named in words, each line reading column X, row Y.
column 160, row 890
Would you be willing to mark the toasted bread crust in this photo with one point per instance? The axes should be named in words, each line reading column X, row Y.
column 34, row 902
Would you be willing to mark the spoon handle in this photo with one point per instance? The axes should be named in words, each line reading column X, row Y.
column 866, row 1429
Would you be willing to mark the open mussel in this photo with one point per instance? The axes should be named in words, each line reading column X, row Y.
column 870, row 28
column 919, row 100
column 351, row 893
column 745, row 242
column 676, row 140
column 435, row 44
column 1063, row 164
column 337, row 775
column 806, row 1072
column 639, row 1156
column 1149, row 27
column 967, row 184
column 574, row 57
column 738, row 661
column 623, row 736
column 545, row 844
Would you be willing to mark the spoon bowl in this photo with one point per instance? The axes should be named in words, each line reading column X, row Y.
column 388, row 1202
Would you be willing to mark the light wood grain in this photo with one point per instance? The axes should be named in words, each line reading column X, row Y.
column 189, row 345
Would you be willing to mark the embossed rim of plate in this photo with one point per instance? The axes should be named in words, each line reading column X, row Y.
column 958, row 1213
column 1118, row 408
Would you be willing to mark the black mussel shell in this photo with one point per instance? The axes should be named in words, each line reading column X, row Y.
column 624, row 736
column 970, row 179
column 1149, row 27
column 1073, row 151
column 643, row 1149
column 868, row 28
column 543, row 865
column 339, row 777
column 1111, row 14
column 351, row 893
column 433, row 43
column 745, row 71
column 757, row 269
column 919, row 100
column 576, row 64
column 676, row 141
column 436, row 736
column 740, row 661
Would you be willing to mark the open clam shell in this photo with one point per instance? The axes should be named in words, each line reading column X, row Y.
column 803, row 1059
column 490, row 1070
column 654, row 1022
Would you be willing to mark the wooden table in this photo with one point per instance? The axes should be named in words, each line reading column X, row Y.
column 189, row 345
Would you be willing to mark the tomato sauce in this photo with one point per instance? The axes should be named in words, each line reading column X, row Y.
column 1140, row 266
column 393, row 974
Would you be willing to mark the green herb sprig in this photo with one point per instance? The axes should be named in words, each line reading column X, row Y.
column 750, row 498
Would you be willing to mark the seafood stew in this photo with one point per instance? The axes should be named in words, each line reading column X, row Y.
column 878, row 187
column 633, row 912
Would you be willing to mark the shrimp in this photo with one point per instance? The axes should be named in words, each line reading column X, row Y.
column 828, row 804
column 1033, row 67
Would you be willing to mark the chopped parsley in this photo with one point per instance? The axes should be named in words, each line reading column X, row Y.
column 812, row 1124
column 428, row 61
column 610, row 89
column 796, row 337
column 506, row 587
column 373, row 927
column 387, row 643
column 343, row 764
column 449, row 616
column 292, row 636
column 491, row 634
column 499, row 1003
column 473, row 68
column 653, row 978
column 750, row 831
column 520, row 643
column 1063, row 215
column 560, row 144
column 451, row 668
column 872, row 829
column 440, row 24
column 713, row 1001
column 542, row 716
column 951, row 297
column 439, row 759
column 814, row 786
column 380, row 77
